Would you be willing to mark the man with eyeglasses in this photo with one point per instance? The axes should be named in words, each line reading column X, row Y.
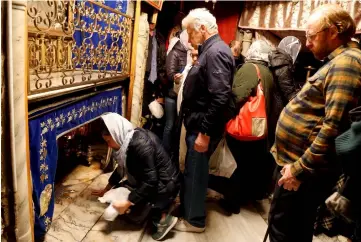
column 304, row 146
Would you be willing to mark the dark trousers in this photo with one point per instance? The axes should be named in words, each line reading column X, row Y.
column 195, row 184
column 148, row 92
column 293, row 213
column 152, row 208
column 162, row 205
column 252, row 176
column 170, row 117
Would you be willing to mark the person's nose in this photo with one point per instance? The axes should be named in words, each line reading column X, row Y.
column 308, row 43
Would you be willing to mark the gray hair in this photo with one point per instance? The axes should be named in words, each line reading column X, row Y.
column 198, row 17
column 332, row 14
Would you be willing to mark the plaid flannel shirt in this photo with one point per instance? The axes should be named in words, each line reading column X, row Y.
column 309, row 124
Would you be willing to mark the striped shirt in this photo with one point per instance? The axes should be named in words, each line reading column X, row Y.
column 309, row 124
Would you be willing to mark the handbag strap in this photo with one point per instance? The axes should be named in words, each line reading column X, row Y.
column 258, row 72
column 259, row 77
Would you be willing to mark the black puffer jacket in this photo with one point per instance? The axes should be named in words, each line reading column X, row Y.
column 283, row 69
column 151, row 167
column 176, row 61
column 284, row 88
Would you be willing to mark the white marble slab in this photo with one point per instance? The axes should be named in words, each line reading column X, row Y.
column 65, row 230
column 82, row 174
column 77, row 219
column 65, row 195
column 118, row 230
column 97, row 236
column 73, row 185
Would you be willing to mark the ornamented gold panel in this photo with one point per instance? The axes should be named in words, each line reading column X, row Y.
column 74, row 43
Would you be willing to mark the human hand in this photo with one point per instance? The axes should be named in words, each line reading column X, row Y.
column 202, row 142
column 160, row 100
column 178, row 78
column 122, row 207
column 99, row 193
column 288, row 181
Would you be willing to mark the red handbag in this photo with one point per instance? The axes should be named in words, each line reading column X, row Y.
column 251, row 122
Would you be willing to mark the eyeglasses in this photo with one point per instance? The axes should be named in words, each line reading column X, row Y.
column 311, row 37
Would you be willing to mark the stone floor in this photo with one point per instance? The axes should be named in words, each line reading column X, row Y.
column 78, row 217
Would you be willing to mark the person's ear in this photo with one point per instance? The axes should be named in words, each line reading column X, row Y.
column 333, row 32
column 203, row 29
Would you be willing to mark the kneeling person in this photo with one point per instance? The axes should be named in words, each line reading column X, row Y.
column 149, row 169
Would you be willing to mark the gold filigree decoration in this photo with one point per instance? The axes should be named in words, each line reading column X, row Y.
column 47, row 222
column 76, row 42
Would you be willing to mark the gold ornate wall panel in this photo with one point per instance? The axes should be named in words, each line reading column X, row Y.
column 74, row 43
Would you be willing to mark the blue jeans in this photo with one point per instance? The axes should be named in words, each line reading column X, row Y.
column 196, row 182
column 170, row 116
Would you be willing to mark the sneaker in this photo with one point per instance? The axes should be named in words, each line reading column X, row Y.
column 164, row 227
column 184, row 226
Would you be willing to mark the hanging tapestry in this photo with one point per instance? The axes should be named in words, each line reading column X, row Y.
column 290, row 15
column 43, row 131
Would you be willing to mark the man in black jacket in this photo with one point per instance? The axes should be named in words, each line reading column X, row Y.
column 155, row 78
column 206, row 95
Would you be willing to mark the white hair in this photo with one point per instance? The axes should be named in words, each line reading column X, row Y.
column 198, row 17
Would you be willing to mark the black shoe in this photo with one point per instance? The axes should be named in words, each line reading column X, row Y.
column 229, row 207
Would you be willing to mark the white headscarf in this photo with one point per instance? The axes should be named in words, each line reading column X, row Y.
column 291, row 45
column 183, row 38
column 259, row 51
column 122, row 132
column 172, row 43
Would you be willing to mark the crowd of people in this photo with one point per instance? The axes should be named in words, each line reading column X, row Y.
column 296, row 151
